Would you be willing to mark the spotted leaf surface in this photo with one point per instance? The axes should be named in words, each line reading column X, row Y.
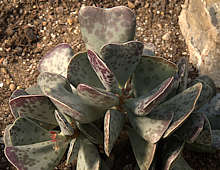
column 57, row 60
column 73, row 150
column 144, row 104
column 122, row 59
column 81, row 71
column 24, row 131
column 97, row 97
column 191, row 128
column 34, row 90
column 144, row 151
column 180, row 163
column 113, row 124
column 92, row 132
column 34, row 106
column 182, row 74
column 88, row 156
column 172, row 148
column 152, row 126
column 105, row 75
column 16, row 93
column 182, row 105
column 149, row 50
column 67, row 102
column 101, row 26
column 65, row 127
column 44, row 155
column 150, row 73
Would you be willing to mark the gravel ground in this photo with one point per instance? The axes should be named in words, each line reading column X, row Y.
column 29, row 30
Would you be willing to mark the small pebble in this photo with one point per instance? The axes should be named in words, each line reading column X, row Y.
column 70, row 21
column 12, row 87
column 166, row 36
column 131, row 5
column 1, row 84
column 3, row 70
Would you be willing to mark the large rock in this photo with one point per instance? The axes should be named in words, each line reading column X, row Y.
column 200, row 25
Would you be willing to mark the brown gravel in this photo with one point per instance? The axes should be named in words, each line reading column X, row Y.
column 29, row 30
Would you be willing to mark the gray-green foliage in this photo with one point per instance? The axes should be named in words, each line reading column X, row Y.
column 117, row 83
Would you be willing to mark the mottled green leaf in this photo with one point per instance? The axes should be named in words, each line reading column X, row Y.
column 6, row 137
column 122, row 59
column 88, row 156
column 150, row 73
column 97, row 97
column 144, row 151
column 152, row 126
column 182, row 105
column 81, row 71
column 34, row 90
column 57, row 60
column 113, row 124
column 101, row 26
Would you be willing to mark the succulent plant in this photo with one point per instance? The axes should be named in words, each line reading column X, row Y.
column 117, row 84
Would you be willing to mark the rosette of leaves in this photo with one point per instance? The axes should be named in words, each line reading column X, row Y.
column 117, row 82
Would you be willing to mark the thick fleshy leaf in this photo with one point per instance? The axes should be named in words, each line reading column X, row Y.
column 149, row 50
column 113, row 124
column 144, row 104
column 208, row 90
column 16, row 93
column 102, row 26
column 152, row 126
column 212, row 111
column 191, row 128
column 182, row 105
column 181, row 164
column 44, row 155
column 122, row 59
column 65, row 127
column 170, row 151
column 34, row 90
column 73, row 150
column 6, row 137
column 57, row 60
column 88, row 156
column 105, row 75
column 34, row 106
column 182, row 73
column 97, row 97
column 81, row 71
column 150, row 73
column 216, row 139
column 205, row 137
column 67, row 102
column 144, row 151
column 92, row 132
column 24, row 131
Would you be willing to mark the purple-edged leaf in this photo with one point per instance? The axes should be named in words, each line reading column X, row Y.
column 34, row 106
column 16, row 93
column 6, row 137
column 57, row 60
column 81, row 71
column 105, row 75
column 180, row 163
column 144, row 151
column 113, row 124
column 24, row 132
column 205, row 137
column 150, row 73
column 182, row 105
column 170, row 151
column 92, row 132
column 34, row 90
column 97, row 97
column 88, row 156
column 65, row 127
column 191, row 128
column 152, row 126
column 43, row 155
column 73, row 150
column 101, row 26
column 122, row 59
column 67, row 102
column 144, row 104
column 182, row 74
